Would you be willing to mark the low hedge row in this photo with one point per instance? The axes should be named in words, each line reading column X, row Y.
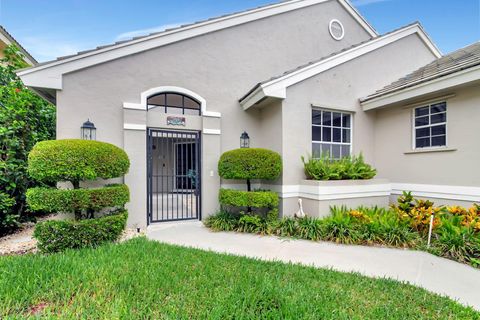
column 254, row 199
column 56, row 236
column 57, row 200
column 76, row 160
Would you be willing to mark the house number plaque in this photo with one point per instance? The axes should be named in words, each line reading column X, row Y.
column 176, row 121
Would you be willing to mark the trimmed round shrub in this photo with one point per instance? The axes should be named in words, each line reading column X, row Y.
column 249, row 164
column 254, row 199
column 76, row 160
column 57, row 200
column 60, row 235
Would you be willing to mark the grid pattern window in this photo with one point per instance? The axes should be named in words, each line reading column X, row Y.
column 331, row 134
column 174, row 103
column 431, row 126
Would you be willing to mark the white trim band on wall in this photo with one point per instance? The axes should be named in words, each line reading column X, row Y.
column 332, row 192
column 461, row 193
column 212, row 131
column 133, row 126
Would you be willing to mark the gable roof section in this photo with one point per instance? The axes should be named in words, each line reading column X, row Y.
column 276, row 86
column 49, row 75
column 8, row 39
column 451, row 65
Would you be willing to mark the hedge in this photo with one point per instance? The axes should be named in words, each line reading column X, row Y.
column 76, row 160
column 254, row 199
column 249, row 164
column 57, row 200
column 59, row 235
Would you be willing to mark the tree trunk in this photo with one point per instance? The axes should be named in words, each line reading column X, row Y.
column 78, row 213
column 249, row 188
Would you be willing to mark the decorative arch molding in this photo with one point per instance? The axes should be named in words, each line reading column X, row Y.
column 171, row 89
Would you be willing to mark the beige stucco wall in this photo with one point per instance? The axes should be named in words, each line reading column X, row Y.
column 220, row 67
column 340, row 88
column 393, row 141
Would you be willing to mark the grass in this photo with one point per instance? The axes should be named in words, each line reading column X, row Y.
column 141, row 279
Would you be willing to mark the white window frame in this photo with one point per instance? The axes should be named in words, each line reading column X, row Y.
column 351, row 114
column 414, row 133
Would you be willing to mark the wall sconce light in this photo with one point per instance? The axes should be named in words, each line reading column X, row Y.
column 88, row 131
column 244, row 140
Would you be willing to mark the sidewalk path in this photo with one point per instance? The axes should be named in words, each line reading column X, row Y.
column 459, row 282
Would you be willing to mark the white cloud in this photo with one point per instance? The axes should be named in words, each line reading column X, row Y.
column 143, row 32
column 360, row 3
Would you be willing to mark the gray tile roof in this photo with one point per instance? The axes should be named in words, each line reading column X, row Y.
column 456, row 61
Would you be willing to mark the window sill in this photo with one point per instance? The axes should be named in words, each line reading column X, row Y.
column 428, row 150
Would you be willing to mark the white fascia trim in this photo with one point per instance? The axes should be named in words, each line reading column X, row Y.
column 439, row 191
column 6, row 40
column 132, row 126
column 133, row 106
column 212, row 131
column 443, row 83
column 277, row 87
column 331, row 192
column 260, row 93
column 357, row 16
column 59, row 67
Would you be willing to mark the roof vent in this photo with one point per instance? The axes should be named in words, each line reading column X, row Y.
column 336, row 30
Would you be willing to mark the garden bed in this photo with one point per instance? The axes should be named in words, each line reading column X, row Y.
column 142, row 279
column 455, row 234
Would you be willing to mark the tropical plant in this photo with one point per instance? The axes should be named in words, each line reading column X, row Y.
column 25, row 119
column 347, row 168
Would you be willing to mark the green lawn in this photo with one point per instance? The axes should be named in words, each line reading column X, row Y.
column 142, row 279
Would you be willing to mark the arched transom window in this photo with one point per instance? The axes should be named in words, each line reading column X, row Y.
column 174, row 103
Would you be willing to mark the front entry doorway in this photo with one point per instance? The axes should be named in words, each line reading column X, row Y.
column 173, row 182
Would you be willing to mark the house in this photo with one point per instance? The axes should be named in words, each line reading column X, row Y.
column 6, row 39
column 299, row 77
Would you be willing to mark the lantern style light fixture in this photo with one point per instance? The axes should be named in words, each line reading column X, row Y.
column 88, row 131
column 244, row 140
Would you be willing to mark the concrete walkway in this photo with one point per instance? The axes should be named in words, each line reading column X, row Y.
column 442, row 276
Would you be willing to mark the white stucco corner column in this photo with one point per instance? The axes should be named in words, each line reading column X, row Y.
column 136, row 148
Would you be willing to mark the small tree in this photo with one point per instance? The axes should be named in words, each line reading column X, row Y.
column 76, row 161
column 250, row 164
column 25, row 119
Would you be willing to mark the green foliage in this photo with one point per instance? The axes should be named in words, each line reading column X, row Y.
column 249, row 164
column 55, row 200
column 255, row 199
column 222, row 221
column 264, row 202
column 25, row 119
column 347, row 168
column 456, row 242
column 76, row 160
column 60, row 235
column 453, row 237
column 143, row 279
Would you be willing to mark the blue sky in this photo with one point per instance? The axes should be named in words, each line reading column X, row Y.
column 51, row 28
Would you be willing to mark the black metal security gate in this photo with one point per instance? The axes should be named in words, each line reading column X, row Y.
column 173, row 175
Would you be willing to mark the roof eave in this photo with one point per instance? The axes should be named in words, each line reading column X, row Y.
column 450, row 81
column 9, row 39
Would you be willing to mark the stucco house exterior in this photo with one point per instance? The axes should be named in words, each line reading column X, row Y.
column 300, row 77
